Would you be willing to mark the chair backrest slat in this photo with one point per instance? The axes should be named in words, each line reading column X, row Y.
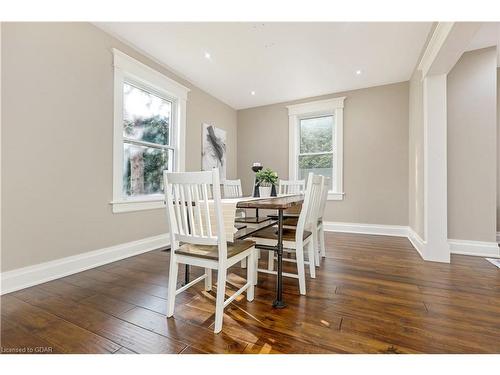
column 178, row 214
column 192, row 215
column 189, row 207
column 232, row 189
column 324, row 198
column 291, row 186
column 183, row 207
column 207, row 210
column 197, row 208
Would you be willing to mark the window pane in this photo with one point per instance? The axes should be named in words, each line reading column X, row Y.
column 318, row 164
column 143, row 169
column 316, row 134
column 146, row 117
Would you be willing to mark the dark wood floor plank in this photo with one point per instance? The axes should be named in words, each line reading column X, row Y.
column 200, row 338
column 15, row 339
column 372, row 294
column 63, row 334
column 120, row 332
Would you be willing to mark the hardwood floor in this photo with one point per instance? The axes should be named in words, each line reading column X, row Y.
column 372, row 294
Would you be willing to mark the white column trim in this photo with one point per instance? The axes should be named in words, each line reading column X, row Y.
column 435, row 44
column 435, row 170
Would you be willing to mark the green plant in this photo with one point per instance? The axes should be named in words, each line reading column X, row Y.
column 266, row 177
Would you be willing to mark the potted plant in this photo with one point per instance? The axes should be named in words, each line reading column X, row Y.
column 266, row 179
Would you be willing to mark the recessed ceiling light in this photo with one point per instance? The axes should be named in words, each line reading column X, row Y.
column 252, row 92
column 358, row 72
column 207, row 55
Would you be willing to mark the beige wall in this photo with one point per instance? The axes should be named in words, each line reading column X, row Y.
column 57, row 126
column 472, row 152
column 375, row 152
column 416, row 155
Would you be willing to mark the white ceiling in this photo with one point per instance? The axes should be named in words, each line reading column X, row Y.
column 487, row 36
column 279, row 61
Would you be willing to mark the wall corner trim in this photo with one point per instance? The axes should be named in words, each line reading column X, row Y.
column 40, row 273
column 417, row 242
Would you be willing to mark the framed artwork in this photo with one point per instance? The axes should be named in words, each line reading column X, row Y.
column 213, row 152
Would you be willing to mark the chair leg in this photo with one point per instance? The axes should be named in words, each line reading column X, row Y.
column 311, row 251
column 172, row 286
column 244, row 263
column 270, row 260
column 315, row 248
column 256, row 269
column 322, row 241
column 251, row 275
column 299, row 254
column 219, row 302
column 208, row 279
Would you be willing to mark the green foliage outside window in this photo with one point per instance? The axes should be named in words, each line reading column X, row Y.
column 149, row 162
column 316, row 137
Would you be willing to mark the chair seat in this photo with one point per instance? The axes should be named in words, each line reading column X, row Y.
column 292, row 221
column 271, row 233
column 212, row 251
column 251, row 220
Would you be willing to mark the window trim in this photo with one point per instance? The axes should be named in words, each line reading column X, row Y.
column 317, row 108
column 129, row 69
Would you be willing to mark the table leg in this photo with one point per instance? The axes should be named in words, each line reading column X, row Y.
column 278, row 302
column 186, row 275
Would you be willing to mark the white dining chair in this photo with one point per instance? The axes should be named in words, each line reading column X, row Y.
column 291, row 186
column 298, row 239
column 232, row 188
column 291, row 221
column 197, row 222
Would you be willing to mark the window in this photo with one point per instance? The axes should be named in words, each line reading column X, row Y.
column 316, row 142
column 149, row 128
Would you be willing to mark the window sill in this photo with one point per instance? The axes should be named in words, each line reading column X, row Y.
column 335, row 196
column 151, row 203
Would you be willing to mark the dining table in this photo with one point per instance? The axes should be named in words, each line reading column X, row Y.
column 280, row 204
column 276, row 203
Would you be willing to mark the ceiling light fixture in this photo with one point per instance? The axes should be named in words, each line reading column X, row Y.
column 358, row 72
column 252, row 92
column 207, row 55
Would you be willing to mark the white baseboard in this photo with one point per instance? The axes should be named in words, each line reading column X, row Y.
column 40, row 273
column 477, row 248
column 378, row 229
column 463, row 247
column 417, row 241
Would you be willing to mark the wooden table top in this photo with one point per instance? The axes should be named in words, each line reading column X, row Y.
column 272, row 203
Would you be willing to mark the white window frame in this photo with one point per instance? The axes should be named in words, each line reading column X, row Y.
column 317, row 108
column 128, row 69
